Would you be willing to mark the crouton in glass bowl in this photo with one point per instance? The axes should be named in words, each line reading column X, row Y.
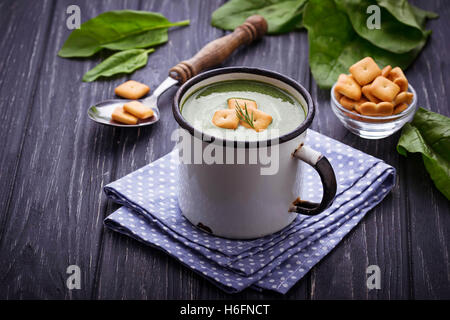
column 373, row 127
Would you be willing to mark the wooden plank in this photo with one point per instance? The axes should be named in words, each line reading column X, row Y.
column 156, row 276
column 18, row 73
column 380, row 239
column 428, row 210
column 56, row 163
column 407, row 235
column 159, row 276
column 56, row 213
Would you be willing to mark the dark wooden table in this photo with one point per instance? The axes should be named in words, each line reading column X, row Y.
column 54, row 163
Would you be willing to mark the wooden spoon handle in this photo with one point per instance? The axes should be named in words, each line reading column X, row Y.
column 220, row 49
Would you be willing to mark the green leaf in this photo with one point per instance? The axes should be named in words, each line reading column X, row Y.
column 407, row 13
column 334, row 45
column 429, row 134
column 118, row 30
column 281, row 15
column 394, row 35
column 121, row 62
column 141, row 40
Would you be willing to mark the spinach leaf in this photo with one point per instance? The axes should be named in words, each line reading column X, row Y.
column 429, row 134
column 281, row 15
column 407, row 13
column 394, row 35
column 125, row 61
column 337, row 31
column 118, row 30
column 334, row 45
column 141, row 40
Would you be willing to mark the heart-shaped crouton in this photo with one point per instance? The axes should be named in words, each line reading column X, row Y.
column 402, row 83
column 403, row 97
column 376, row 110
column 398, row 77
column 226, row 119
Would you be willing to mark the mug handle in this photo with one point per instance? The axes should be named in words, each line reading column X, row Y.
column 327, row 176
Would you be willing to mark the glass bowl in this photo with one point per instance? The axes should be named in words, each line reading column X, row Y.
column 373, row 127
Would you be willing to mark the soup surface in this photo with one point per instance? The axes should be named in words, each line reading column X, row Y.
column 287, row 113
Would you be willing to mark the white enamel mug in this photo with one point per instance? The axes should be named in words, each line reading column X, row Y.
column 234, row 199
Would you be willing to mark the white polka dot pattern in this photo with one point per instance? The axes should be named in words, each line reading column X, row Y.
column 150, row 214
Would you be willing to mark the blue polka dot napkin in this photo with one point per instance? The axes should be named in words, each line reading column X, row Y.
column 150, row 214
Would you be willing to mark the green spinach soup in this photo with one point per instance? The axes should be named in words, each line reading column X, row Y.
column 199, row 108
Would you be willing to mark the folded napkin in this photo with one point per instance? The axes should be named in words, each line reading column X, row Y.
column 150, row 214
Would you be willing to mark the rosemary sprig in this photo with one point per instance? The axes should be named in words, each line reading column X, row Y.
column 243, row 114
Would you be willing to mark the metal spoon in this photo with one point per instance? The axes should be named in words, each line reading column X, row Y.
column 101, row 112
column 209, row 56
